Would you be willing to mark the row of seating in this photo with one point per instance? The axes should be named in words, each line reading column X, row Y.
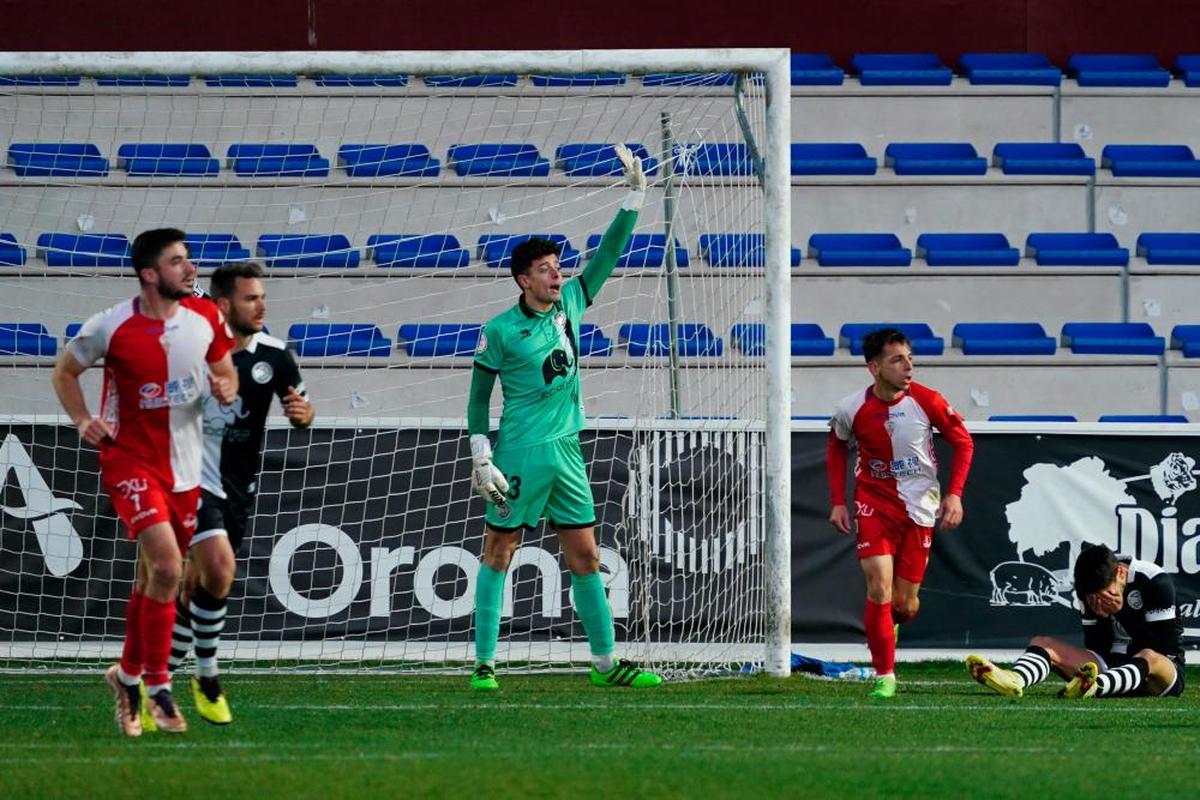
column 584, row 159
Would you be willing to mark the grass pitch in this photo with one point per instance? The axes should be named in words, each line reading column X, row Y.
column 555, row 736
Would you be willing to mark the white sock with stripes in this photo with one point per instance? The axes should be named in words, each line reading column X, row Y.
column 208, row 620
column 1122, row 680
column 1033, row 666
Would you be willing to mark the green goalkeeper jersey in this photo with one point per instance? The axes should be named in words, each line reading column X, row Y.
column 536, row 355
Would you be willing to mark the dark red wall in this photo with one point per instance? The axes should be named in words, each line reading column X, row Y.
column 838, row 27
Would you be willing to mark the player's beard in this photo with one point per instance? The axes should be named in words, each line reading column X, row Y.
column 242, row 327
column 170, row 292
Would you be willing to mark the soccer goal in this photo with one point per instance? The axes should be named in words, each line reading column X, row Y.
column 383, row 193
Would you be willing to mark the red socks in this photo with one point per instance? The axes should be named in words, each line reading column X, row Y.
column 881, row 637
column 158, row 622
column 132, row 653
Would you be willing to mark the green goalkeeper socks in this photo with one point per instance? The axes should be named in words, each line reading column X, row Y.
column 489, row 594
column 591, row 605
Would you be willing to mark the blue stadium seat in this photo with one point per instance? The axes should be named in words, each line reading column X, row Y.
column 643, row 250
column 580, row 79
column 1112, row 338
column 832, row 159
column 590, row 159
column 277, row 160
column 1188, row 67
column 688, row 79
column 815, row 69
column 858, row 250
column 498, row 159
column 495, row 249
column 1033, row 418
column 1003, row 339
column 693, row 339
column 1076, row 250
column 807, row 339
column 416, row 250
column 1187, row 339
column 470, row 81
column 362, row 79
column 924, row 343
column 901, row 69
column 592, row 341
column 167, row 159
column 714, row 158
column 423, row 340
column 12, row 254
column 26, row 339
column 934, row 158
column 72, row 330
column 738, row 250
column 57, row 160
column 305, row 250
column 1171, row 419
column 215, row 249
column 1118, row 70
column 1150, row 160
column 162, row 81
column 84, row 250
column 379, row 160
column 338, row 339
column 1169, row 248
column 1010, row 69
column 967, row 250
column 40, row 80
column 252, row 81
column 1042, row 158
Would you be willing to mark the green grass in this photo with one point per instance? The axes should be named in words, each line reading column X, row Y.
column 553, row 735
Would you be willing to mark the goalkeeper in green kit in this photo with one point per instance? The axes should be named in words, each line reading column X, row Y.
column 537, row 468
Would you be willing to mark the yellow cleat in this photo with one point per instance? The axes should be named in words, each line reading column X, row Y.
column 210, row 701
column 148, row 724
column 884, row 688
column 1083, row 685
column 1001, row 681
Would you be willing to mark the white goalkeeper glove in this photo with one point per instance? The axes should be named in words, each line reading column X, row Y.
column 635, row 176
column 486, row 480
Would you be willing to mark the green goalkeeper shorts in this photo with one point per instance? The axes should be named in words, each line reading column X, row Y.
column 544, row 480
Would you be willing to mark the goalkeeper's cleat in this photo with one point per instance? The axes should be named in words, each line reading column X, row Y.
column 884, row 688
column 625, row 673
column 128, row 703
column 1001, row 681
column 166, row 715
column 483, row 679
column 148, row 723
column 210, row 700
column 1083, row 685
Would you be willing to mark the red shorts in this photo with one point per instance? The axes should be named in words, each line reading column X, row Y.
column 141, row 500
column 900, row 537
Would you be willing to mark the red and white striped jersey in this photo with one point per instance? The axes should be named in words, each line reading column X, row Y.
column 896, row 469
column 154, row 371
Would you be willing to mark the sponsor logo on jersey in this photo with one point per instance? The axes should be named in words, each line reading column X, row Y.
column 481, row 347
column 149, row 391
column 555, row 365
column 262, row 372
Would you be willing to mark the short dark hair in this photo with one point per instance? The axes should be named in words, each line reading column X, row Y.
column 148, row 246
column 224, row 278
column 875, row 341
column 530, row 250
column 1095, row 569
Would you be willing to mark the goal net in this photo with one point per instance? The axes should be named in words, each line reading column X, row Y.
column 383, row 201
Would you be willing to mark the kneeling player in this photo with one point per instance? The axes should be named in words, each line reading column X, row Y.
column 1131, row 635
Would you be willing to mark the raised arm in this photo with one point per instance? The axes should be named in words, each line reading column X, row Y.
column 619, row 230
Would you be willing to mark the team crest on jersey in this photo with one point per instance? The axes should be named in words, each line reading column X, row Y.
column 482, row 346
column 504, row 510
column 560, row 320
column 262, row 372
column 1134, row 599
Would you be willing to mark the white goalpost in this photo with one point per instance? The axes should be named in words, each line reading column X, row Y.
column 382, row 192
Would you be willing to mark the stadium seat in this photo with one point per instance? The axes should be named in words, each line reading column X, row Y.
column 967, row 250
column 592, row 341
column 934, row 158
column 924, row 343
column 688, row 79
column 84, row 250
column 807, row 339
column 26, row 339
column 738, row 250
column 1187, row 339
column 362, row 79
column 193, row 160
column 1010, row 69
column 1003, row 339
column 1118, row 70
column 305, row 250
column 901, row 69
column 470, row 81
column 498, row 159
column 214, row 249
column 422, row 340
column 1076, row 249
column 40, row 80
column 379, row 160
column 1173, row 419
column 162, row 81
column 1042, row 158
column 693, row 339
column 29, row 159
column 12, row 254
column 591, row 159
column 338, row 339
column 858, row 250
column 277, row 160
column 832, row 159
column 416, row 250
column 240, row 81
column 1150, row 160
column 643, row 250
column 72, row 330
column 495, row 249
column 714, row 158
column 1188, row 67
column 1033, row 418
column 590, row 79
column 815, row 69
column 1112, row 338
column 1169, row 248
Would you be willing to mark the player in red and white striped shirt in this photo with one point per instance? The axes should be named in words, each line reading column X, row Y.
column 897, row 497
column 158, row 348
